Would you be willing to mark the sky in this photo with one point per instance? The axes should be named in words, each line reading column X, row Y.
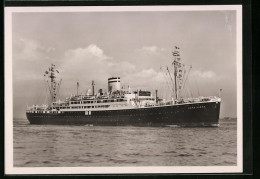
column 88, row 46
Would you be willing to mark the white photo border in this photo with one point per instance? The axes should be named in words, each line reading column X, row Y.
column 10, row 169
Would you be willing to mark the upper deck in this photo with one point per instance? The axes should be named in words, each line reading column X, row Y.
column 94, row 104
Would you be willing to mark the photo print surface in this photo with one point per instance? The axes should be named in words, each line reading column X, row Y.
column 140, row 89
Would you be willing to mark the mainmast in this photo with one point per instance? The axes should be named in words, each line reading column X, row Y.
column 176, row 82
column 176, row 66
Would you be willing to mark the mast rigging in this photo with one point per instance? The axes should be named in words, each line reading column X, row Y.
column 53, row 86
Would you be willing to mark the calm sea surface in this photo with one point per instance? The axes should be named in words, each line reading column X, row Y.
column 73, row 146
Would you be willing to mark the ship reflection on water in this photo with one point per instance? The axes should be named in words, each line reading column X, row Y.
column 86, row 146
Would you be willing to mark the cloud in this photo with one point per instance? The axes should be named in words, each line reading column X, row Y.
column 88, row 63
column 146, row 73
column 146, row 78
column 92, row 60
column 51, row 49
column 210, row 76
column 31, row 50
column 79, row 64
column 91, row 63
column 203, row 74
column 84, row 64
column 91, row 51
column 28, row 56
column 151, row 49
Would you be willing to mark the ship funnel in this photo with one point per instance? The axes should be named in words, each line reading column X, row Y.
column 114, row 84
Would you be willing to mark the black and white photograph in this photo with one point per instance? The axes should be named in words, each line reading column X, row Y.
column 123, row 89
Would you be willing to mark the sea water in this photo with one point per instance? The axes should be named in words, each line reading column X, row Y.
column 86, row 146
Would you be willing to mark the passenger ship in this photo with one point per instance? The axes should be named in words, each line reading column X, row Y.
column 123, row 107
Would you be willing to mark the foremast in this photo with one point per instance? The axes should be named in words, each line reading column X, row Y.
column 53, row 84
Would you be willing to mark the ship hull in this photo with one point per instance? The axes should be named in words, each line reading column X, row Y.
column 184, row 115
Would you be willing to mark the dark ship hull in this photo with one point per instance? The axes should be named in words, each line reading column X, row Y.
column 186, row 115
